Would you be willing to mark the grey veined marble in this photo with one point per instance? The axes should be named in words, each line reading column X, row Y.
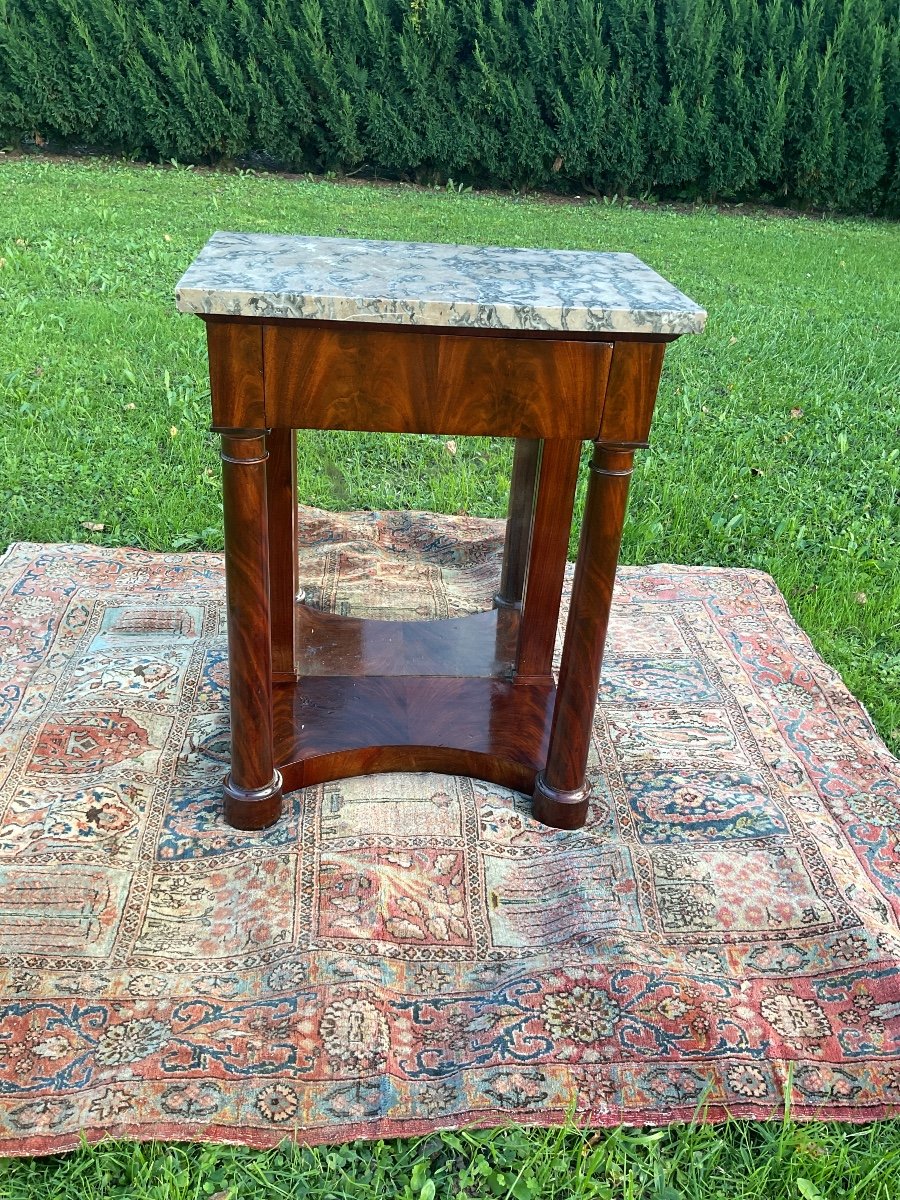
column 416, row 283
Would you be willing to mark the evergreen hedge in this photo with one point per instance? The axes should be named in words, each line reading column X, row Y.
column 791, row 100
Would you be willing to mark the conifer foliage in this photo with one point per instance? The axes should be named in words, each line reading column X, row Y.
column 788, row 100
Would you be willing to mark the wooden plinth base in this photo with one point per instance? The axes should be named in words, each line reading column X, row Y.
column 493, row 729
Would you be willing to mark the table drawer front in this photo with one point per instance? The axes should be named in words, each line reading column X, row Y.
column 408, row 381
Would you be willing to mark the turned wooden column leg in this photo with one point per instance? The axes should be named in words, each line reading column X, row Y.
column 560, row 792
column 252, row 786
column 281, row 501
column 518, row 523
column 549, row 545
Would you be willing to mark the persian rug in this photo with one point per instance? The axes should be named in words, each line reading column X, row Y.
column 408, row 952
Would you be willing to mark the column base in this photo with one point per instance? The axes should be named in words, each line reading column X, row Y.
column 253, row 808
column 558, row 808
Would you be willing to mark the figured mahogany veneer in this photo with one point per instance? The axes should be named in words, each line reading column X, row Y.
column 410, row 381
column 315, row 696
column 330, row 728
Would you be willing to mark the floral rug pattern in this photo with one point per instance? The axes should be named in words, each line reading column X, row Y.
column 408, row 952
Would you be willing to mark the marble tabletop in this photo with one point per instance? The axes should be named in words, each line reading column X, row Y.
column 416, row 283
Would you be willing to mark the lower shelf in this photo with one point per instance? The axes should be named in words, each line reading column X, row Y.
column 333, row 727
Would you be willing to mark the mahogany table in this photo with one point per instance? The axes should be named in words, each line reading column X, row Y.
column 548, row 347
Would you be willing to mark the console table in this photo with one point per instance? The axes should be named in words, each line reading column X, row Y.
column 550, row 347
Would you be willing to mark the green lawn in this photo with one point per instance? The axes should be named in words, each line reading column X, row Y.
column 776, row 445
column 739, row 1161
column 776, row 442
